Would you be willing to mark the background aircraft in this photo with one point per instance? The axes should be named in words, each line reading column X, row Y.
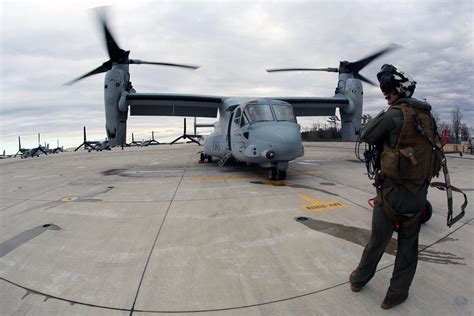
column 253, row 130
column 96, row 145
column 31, row 152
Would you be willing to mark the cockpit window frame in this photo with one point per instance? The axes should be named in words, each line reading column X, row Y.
column 237, row 116
column 246, row 113
column 288, row 119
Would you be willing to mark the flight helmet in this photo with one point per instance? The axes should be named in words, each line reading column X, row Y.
column 393, row 78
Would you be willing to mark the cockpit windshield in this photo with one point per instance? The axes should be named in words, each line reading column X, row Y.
column 284, row 112
column 258, row 113
column 263, row 112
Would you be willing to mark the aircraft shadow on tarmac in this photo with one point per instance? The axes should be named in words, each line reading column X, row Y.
column 24, row 237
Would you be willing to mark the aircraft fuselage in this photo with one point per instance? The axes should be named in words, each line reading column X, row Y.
column 256, row 131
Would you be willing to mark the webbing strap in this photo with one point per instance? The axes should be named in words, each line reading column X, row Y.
column 381, row 200
column 447, row 185
column 390, row 212
column 449, row 188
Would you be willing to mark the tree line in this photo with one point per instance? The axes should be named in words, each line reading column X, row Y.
column 457, row 131
column 331, row 130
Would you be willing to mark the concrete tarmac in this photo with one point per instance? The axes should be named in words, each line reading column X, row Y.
column 152, row 231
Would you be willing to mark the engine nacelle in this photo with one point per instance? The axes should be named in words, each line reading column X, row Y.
column 115, row 116
column 351, row 115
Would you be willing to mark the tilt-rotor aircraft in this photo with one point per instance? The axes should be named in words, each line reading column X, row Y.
column 31, row 152
column 261, row 131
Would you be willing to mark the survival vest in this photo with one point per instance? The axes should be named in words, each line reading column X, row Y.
column 416, row 158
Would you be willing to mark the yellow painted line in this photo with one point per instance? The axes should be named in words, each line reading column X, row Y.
column 224, row 178
column 275, row 182
column 311, row 172
column 69, row 198
column 317, row 205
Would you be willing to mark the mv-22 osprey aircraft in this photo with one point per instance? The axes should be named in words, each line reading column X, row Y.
column 260, row 131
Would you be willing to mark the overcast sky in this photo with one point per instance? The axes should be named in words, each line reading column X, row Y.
column 45, row 44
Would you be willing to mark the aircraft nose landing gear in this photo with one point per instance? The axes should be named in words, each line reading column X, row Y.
column 276, row 174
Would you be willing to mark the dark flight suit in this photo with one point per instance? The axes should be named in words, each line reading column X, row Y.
column 384, row 129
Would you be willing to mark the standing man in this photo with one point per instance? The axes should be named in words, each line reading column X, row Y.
column 403, row 136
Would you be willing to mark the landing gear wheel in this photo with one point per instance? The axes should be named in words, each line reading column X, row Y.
column 209, row 158
column 272, row 173
column 281, row 174
column 426, row 212
column 202, row 157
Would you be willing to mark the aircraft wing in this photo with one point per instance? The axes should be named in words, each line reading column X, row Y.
column 165, row 104
column 314, row 106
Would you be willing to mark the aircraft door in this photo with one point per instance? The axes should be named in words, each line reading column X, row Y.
column 237, row 137
column 229, row 131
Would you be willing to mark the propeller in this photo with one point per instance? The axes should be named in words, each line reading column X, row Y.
column 346, row 66
column 138, row 62
column 119, row 56
column 303, row 69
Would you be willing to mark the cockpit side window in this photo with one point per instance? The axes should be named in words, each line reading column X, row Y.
column 244, row 120
column 237, row 115
column 258, row 113
column 284, row 112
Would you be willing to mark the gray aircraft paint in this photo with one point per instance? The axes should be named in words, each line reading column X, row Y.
column 115, row 83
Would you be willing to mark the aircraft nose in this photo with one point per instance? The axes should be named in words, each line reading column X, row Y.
column 274, row 141
column 278, row 134
column 288, row 135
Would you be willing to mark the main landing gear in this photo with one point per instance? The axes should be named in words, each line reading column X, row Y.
column 276, row 174
column 204, row 157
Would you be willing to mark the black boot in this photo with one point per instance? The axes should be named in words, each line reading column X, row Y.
column 390, row 302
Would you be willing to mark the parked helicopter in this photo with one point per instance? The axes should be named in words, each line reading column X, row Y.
column 263, row 131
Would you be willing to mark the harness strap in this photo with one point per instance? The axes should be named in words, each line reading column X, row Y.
column 380, row 200
column 397, row 220
column 447, row 185
column 449, row 188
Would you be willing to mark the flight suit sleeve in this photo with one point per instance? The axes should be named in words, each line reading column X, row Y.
column 377, row 129
column 384, row 128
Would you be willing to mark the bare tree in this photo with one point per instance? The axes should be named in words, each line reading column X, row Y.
column 456, row 117
column 444, row 125
column 436, row 117
column 333, row 121
column 464, row 132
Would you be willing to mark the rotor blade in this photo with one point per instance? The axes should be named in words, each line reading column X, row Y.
column 102, row 68
column 362, row 78
column 138, row 62
column 302, row 69
column 115, row 52
column 358, row 65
